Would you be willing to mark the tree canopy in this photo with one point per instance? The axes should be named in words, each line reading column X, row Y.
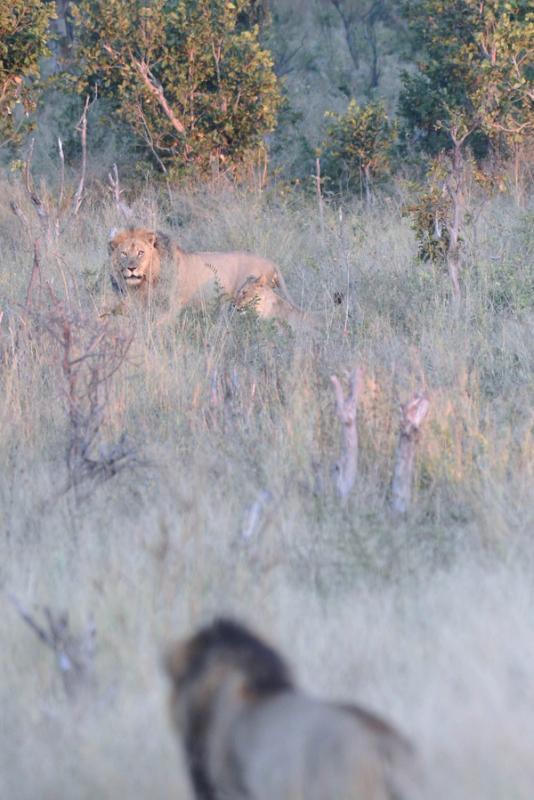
column 189, row 76
column 23, row 42
column 475, row 75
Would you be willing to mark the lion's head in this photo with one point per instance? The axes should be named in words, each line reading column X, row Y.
column 135, row 257
column 252, row 293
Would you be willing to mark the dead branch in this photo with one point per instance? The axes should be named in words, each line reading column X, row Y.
column 347, row 407
column 61, row 172
column 35, row 277
column 255, row 515
column 74, row 653
column 19, row 213
column 319, row 193
column 156, row 89
column 39, row 205
column 116, row 191
column 412, row 416
column 89, row 352
column 81, row 127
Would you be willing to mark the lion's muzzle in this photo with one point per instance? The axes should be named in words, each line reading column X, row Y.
column 131, row 275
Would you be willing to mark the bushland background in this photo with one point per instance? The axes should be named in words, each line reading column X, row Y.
column 154, row 474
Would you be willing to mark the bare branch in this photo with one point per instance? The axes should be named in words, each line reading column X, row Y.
column 40, row 632
column 347, row 408
column 19, row 213
column 81, row 127
column 255, row 515
column 34, row 277
column 74, row 653
column 156, row 89
column 89, row 353
column 61, row 173
column 114, row 186
column 27, row 168
column 319, row 193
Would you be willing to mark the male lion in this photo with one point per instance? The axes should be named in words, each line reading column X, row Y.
column 250, row 734
column 267, row 304
column 142, row 260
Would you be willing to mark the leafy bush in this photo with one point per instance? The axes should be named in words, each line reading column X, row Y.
column 23, row 41
column 189, row 77
column 474, row 73
column 357, row 145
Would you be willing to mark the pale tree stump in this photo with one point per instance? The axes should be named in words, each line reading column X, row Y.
column 412, row 416
column 347, row 408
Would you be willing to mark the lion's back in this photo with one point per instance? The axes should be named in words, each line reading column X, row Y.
column 234, row 267
column 293, row 746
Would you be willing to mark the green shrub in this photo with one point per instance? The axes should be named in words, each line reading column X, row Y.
column 189, row 77
column 23, row 41
column 356, row 149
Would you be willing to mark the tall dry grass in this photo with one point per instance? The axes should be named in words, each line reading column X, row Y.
column 427, row 620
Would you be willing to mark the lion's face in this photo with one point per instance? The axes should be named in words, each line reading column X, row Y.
column 135, row 258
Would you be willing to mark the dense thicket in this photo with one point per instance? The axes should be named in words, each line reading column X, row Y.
column 24, row 33
column 475, row 73
column 197, row 83
column 189, row 76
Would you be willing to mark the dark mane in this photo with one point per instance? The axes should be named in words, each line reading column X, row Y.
column 164, row 244
column 230, row 642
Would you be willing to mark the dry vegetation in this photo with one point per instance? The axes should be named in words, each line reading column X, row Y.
column 227, row 500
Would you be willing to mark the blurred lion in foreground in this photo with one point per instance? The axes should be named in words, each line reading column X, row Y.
column 250, row 734
column 143, row 261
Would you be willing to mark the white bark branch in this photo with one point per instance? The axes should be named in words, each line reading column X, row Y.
column 347, row 408
column 156, row 90
column 412, row 416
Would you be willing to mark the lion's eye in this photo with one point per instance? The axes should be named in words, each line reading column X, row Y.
column 123, row 253
column 140, row 253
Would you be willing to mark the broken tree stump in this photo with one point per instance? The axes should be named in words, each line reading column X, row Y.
column 347, row 408
column 412, row 416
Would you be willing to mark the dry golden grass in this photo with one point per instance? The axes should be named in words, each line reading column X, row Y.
column 427, row 620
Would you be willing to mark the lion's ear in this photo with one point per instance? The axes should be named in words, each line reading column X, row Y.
column 262, row 280
column 151, row 237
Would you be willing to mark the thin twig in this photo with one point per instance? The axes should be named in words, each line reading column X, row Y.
column 116, row 191
column 81, row 127
column 34, row 277
column 61, row 173
column 28, row 619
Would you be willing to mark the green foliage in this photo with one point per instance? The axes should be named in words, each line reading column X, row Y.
column 357, row 145
column 429, row 216
column 475, row 75
column 188, row 76
column 23, row 41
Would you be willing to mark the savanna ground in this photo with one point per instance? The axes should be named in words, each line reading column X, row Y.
column 426, row 620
